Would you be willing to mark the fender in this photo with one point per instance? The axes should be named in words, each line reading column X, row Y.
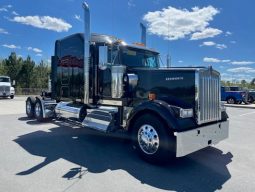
column 157, row 107
column 164, row 111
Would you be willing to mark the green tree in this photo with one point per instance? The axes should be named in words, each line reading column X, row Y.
column 41, row 74
column 243, row 83
column 12, row 66
column 2, row 68
column 26, row 73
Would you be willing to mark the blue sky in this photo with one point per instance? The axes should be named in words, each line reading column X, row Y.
column 198, row 33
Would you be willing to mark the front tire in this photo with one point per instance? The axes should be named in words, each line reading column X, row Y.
column 231, row 100
column 12, row 96
column 151, row 140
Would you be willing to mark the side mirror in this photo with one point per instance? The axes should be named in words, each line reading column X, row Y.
column 103, row 56
column 13, row 83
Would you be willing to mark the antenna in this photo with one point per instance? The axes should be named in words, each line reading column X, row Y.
column 168, row 58
column 143, row 34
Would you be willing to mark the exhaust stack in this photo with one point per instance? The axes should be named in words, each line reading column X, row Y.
column 143, row 34
column 86, row 51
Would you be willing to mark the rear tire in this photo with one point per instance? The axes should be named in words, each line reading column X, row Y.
column 151, row 140
column 251, row 100
column 38, row 111
column 30, row 107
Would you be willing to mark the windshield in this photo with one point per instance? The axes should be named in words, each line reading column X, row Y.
column 133, row 57
column 4, row 79
column 235, row 89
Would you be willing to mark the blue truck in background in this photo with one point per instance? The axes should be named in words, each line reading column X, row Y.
column 234, row 95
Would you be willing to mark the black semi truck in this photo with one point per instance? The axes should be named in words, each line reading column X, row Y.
column 102, row 83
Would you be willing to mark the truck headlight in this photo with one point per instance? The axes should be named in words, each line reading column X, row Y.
column 186, row 113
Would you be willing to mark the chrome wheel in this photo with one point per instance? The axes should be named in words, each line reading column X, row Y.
column 28, row 107
column 148, row 139
column 37, row 109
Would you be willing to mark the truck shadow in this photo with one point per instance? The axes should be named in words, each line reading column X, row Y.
column 205, row 170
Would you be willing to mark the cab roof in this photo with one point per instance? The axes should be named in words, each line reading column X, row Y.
column 107, row 39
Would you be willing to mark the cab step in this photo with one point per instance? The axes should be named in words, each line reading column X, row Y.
column 102, row 118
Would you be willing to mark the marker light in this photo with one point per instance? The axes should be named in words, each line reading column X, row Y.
column 152, row 96
column 186, row 113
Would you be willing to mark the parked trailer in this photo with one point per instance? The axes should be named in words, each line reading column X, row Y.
column 102, row 83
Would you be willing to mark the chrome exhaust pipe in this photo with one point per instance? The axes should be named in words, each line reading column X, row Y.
column 143, row 34
column 86, row 51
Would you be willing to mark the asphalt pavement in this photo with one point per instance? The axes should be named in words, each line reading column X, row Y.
column 56, row 157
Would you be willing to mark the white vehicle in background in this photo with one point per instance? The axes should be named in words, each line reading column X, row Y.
column 6, row 89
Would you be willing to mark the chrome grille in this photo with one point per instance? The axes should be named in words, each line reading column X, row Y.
column 207, row 96
column 5, row 88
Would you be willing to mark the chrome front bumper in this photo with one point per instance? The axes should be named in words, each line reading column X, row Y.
column 193, row 140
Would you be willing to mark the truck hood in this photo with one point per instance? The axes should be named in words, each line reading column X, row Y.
column 174, row 86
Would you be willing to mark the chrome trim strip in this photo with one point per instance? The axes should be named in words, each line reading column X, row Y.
column 86, row 51
column 110, row 102
column 117, row 80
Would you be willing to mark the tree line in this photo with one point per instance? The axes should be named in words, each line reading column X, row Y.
column 29, row 75
column 242, row 83
column 26, row 73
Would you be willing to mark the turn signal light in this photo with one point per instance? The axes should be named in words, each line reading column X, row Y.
column 152, row 96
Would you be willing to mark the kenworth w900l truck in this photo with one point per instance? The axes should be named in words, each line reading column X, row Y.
column 105, row 84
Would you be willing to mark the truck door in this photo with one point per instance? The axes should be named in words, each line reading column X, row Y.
column 111, row 73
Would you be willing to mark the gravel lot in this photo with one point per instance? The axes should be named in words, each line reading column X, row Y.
column 52, row 156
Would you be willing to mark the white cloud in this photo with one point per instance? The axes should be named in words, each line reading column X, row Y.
column 180, row 61
column 242, row 70
column 3, row 9
column 208, row 43
column 11, row 46
column 211, row 60
column 3, row 31
column 233, row 42
column 34, row 49
column 213, row 44
column 221, row 46
column 215, row 60
column 172, row 23
column 236, row 76
column 15, row 13
column 44, row 22
column 228, row 33
column 131, row 3
column 242, row 62
column 38, row 55
column 206, row 33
